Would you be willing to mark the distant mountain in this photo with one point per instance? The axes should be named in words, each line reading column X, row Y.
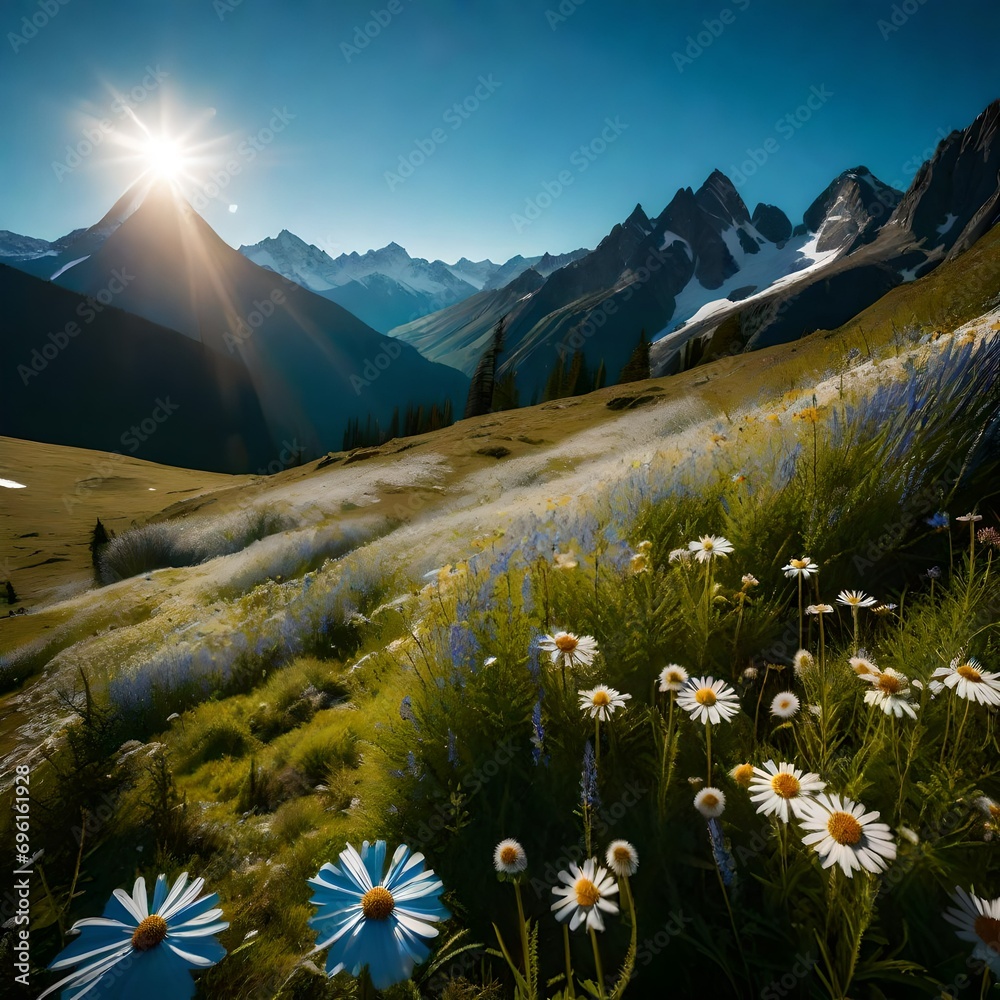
column 707, row 276
column 313, row 366
column 388, row 287
column 80, row 373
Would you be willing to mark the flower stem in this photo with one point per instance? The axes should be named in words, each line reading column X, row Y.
column 708, row 749
column 800, row 611
column 524, row 932
column 597, row 743
column 854, row 615
column 570, row 992
column 597, row 963
column 958, row 732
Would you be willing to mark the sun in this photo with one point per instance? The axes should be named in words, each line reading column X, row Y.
column 164, row 157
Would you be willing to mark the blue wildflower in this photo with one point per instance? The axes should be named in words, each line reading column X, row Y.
column 452, row 749
column 538, row 736
column 411, row 764
column 406, row 710
column 588, row 779
column 934, row 573
column 380, row 921
column 938, row 521
column 721, row 853
column 133, row 951
column 463, row 646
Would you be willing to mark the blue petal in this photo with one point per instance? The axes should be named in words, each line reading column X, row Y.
column 374, row 858
column 91, row 939
column 159, row 893
column 192, row 910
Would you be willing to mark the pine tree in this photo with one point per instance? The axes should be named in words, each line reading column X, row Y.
column 601, row 378
column 506, row 395
column 578, row 379
column 554, row 385
column 481, row 389
column 98, row 539
column 449, row 417
column 637, row 367
column 394, row 425
column 12, row 593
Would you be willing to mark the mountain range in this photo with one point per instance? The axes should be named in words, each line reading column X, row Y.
column 311, row 366
column 388, row 287
column 275, row 348
column 708, row 277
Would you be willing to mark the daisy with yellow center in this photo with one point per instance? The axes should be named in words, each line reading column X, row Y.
column 710, row 802
column 855, row 599
column 509, row 858
column 977, row 921
column 967, row 678
column 708, row 700
column 802, row 662
column 602, row 701
column 803, row 567
column 891, row 692
column 585, row 895
column 639, row 563
column 785, row 705
column 709, row 547
column 673, row 677
column 622, row 858
column 569, row 650
column 783, row 790
column 742, row 774
column 842, row 833
column 863, row 667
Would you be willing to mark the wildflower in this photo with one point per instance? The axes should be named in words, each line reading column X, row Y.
column 890, row 692
column 639, row 563
column 749, row 675
column 708, row 546
column 509, row 858
column 369, row 919
column 742, row 774
column 884, row 608
column 855, row 599
column 968, row 680
column 819, row 609
column 978, row 922
column 644, row 546
column 673, row 677
column 783, row 790
column 584, row 895
column 564, row 560
column 863, row 667
column 588, row 778
column 842, row 833
column 622, row 858
column 749, row 580
column 803, row 661
column 489, row 661
column 710, row 802
column 989, row 536
column 569, row 649
column 708, row 700
column 679, row 555
column 970, row 518
column 537, row 735
column 934, row 573
column 452, row 749
column 810, row 414
column 737, row 477
column 803, row 567
column 989, row 807
column 602, row 701
column 911, row 836
column 406, row 710
column 938, row 521
column 135, row 951
column 785, row 705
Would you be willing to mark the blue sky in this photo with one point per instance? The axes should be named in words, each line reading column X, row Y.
column 569, row 112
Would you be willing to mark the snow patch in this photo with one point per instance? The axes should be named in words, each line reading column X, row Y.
column 66, row 267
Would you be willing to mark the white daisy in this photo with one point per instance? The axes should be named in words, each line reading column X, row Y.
column 819, row 609
column 584, row 895
column 803, row 567
column 622, row 858
column 864, row 667
column 708, row 546
column 782, row 789
column 785, row 705
column 967, row 679
column 742, row 774
column 890, row 692
column 710, row 802
column 568, row 649
column 679, row 555
column 673, row 677
column 749, row 580
column 509, row 857
column 978, row 922
column 489, row 661
column 842, row 833
column 709, row 700
column 970, row 518
column 602, row 701
column 803, row 661
column 639, row 563
column 990, row 808
column 855, row 599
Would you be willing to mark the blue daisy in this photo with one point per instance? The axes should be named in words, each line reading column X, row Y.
column 135, row 950
column 367, row 919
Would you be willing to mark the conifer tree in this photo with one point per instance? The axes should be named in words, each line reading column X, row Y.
column 637, row 367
